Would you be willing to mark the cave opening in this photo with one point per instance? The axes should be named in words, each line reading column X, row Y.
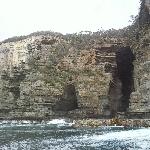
column 67, row 101
column 124, row 60
column 122, row 83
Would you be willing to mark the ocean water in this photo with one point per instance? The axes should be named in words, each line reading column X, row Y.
column 61, row 135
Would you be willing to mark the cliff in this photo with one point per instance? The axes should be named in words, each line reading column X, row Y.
column 45, row 76
column 140, row 97
column 48, row 75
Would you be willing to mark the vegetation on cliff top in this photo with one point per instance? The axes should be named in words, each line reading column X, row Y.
column 85, row 39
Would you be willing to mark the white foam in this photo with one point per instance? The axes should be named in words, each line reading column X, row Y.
column 132, row 140
column 25, row 121
column 13, row 123
column 59, row 122
column 5, row 122
column 124, row 135
column 139, row 139
column 136, row 139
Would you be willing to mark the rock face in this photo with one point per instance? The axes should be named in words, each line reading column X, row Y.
column 140, row 98
column 43, row 76
column 144, row 15
column 49, row 76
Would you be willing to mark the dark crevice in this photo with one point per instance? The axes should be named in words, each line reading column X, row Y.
column 124, row 59
column 122, row 84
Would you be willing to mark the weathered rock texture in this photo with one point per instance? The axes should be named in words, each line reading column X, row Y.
column 140, row 98
column 53, row 75
column 45, row 76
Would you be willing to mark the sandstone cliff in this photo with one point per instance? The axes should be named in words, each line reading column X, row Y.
column 80, row 75
column 140, row 97
column 44, row 76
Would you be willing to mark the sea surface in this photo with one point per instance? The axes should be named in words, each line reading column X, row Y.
column 59, row 134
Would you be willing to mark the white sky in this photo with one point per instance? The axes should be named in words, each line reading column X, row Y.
column 21, row 17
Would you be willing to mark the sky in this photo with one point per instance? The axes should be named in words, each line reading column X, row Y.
column 22, row 17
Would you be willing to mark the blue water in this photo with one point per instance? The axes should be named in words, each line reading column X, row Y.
column 61, row 135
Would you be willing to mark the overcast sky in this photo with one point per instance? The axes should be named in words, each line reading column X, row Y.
column 21, row 17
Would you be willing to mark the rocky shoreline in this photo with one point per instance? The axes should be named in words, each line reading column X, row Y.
column 86, row 123
column 127, row 123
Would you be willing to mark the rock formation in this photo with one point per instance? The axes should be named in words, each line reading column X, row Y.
column 140, row 98
column 53, row 75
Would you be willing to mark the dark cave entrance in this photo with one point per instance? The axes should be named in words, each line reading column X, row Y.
column 67, row 101
column 122, row 84
column 69, row 98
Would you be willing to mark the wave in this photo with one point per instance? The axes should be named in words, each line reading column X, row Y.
column 138, row 139
column 124, row 135
column 42, row 136
column 58, row 123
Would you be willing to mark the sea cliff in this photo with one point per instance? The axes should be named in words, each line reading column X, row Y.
column 85, row 75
